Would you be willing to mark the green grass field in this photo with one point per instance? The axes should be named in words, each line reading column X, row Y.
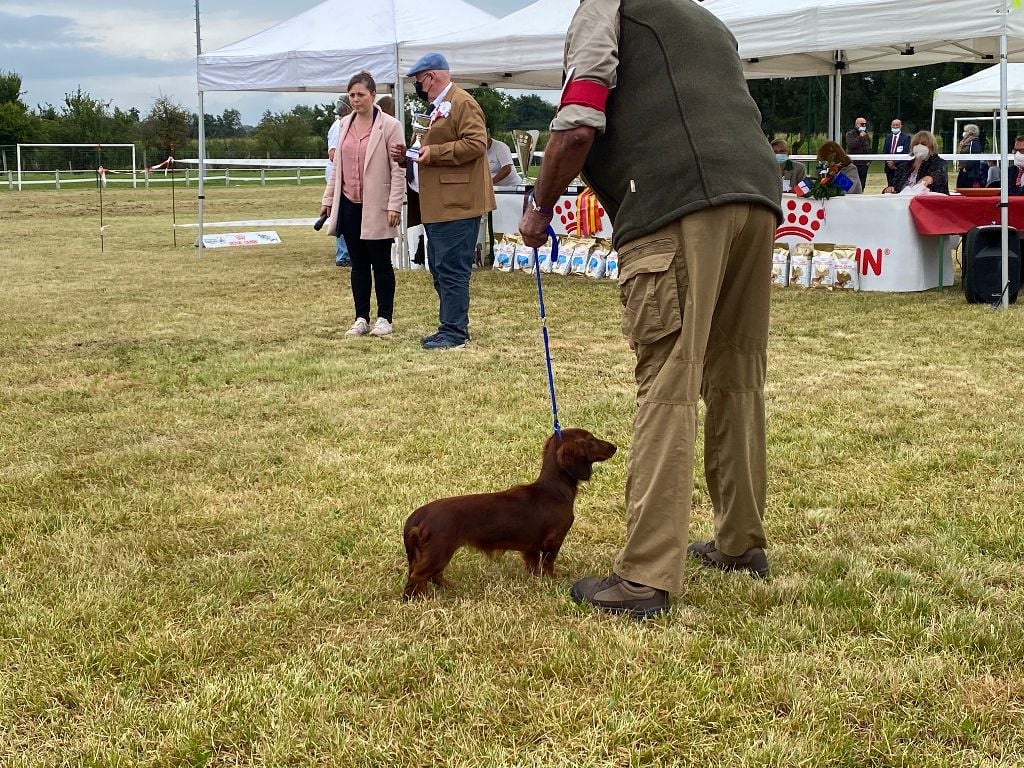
column 203, row 486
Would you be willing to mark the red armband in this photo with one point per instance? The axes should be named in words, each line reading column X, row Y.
column 586, row 93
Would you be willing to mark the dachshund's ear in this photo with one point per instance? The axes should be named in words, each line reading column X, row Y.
column 572, row 457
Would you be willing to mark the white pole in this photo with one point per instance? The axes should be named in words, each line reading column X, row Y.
column 19, row 166
column 404, row 261
column 202, row 134
column 1004, row 205
column 135, row 177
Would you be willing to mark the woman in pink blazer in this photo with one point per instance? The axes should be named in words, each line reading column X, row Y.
column 364, row 201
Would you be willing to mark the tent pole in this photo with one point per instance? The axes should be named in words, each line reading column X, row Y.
column 200, row 197
column 404, row 260
column 1004, row 206
column 839, row 64
column 832, row 106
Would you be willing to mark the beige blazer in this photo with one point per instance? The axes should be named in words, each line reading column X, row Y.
column 457, row 183
column 383, row 180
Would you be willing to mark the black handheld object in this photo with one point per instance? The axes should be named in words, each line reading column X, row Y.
column 319, row 224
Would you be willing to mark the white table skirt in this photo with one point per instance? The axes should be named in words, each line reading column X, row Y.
column 891, row 254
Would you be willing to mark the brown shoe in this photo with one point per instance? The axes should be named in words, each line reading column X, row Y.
column 616, row 595
column 754, row 561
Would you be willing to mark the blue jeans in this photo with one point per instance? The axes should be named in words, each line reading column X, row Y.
column 450, row 249
column 341, row 253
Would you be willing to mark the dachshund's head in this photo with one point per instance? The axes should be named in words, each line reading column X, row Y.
column 578, row 450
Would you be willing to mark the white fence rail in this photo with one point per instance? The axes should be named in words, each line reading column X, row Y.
column 56, row 179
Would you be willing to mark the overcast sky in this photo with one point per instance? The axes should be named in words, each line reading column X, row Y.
column 129, row 52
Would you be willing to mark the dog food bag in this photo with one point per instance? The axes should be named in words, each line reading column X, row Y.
column 611, row 267
column 543, row 257
column 800, row 265
column 565, row 250
column 524, row 256
column 504, row 253
column 580, row 256
column 821, row 268
column 844, row 268
column 780, row 264
column 597, row 262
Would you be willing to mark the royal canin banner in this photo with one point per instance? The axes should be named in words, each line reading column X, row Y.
column 892, row 256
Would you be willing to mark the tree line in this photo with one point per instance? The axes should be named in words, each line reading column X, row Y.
column 169, row 129
column 795, row 107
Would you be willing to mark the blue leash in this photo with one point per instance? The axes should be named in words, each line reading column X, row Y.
column 544, row 323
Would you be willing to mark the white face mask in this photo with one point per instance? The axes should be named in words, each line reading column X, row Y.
column 895, row 130
column 1018, row 159
column 920, row 151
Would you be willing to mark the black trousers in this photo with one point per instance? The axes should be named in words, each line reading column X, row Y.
column 371, row 264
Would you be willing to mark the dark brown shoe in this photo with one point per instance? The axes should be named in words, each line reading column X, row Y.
column 616, row 595
column 754, row 561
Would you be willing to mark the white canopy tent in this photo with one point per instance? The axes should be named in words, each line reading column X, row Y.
column 776, row 38
column 320, row 50
column 980, row 92
column 521, row 50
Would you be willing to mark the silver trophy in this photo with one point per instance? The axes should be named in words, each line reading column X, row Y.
column 420, row 126
column 525, row 141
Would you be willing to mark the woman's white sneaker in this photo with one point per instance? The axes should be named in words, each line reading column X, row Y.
column 359, row 328
column 381, row 328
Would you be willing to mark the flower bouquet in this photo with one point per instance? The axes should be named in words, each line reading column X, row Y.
column 830, row 182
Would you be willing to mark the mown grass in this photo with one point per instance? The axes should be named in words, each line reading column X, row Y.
column 203, row 483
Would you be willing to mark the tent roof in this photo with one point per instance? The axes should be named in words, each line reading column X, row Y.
column 320, row 49
column 980, row 91
column 521, row 50
column 777, row 38
column 803, row 36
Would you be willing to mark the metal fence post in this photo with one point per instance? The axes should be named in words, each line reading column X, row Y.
column 56, row 178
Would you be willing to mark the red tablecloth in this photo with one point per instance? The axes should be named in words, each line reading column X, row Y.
column 956, row 214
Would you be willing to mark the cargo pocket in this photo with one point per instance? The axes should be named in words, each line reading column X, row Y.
column 455, row 190
column 649, row 291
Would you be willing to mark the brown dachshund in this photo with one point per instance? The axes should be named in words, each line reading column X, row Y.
column 532, row 519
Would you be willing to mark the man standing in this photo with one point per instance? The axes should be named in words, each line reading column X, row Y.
column 455, row 191
column 694, row 205
column 858, row 143
column 897, row 143
column 341, row 109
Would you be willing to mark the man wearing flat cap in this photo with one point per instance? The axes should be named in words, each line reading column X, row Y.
column 455, row 191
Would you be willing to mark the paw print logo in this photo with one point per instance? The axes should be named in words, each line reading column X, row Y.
column 802, row 219
column 565, row 211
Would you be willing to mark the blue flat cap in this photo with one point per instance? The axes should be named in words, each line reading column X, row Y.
column 428, row 62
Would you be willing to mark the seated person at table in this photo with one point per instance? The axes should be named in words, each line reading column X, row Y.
column 833, row 154
column 925, row 167
column 793, row 172
column 1015, row 174
column 992, row 180
column 499, row 160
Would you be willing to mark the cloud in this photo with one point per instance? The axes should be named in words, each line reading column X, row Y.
column 129, row 52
